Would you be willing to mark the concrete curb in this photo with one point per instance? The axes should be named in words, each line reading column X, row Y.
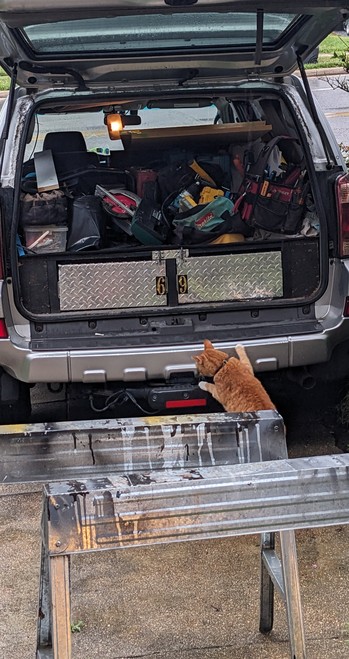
column 317, row 73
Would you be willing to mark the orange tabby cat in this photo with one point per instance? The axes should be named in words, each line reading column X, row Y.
column 235, row 385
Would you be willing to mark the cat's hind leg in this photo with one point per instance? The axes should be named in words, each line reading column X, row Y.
column 242, row 354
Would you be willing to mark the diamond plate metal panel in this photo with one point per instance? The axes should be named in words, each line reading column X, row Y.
column 110, row 285
column 231, row 277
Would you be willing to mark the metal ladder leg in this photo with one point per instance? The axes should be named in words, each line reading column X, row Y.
column 44, row 640
column 292, row 594
column 266, row 618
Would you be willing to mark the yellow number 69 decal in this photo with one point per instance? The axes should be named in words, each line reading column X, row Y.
column 182, row 284
column 161, row 285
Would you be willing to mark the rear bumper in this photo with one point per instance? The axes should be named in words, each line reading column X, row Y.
column 141, row 364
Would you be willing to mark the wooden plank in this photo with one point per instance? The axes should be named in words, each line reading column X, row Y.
column 213, row 133
column 60, row 593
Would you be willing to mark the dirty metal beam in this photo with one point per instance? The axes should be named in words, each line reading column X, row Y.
column 208, row 502
column 77, row 450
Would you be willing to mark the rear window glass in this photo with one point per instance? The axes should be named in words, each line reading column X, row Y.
column 156, row 31
column 95, row 133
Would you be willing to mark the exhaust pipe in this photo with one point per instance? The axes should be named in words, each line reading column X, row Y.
column 302, row 376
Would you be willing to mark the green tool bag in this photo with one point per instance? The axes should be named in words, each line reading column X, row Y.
column 204, row 223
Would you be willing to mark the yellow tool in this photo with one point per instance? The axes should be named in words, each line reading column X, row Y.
column 228, row 238
column 208, row 194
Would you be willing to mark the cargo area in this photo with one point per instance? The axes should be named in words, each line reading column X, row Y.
column 171, row 205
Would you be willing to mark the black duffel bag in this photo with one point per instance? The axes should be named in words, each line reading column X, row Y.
column 87, row 224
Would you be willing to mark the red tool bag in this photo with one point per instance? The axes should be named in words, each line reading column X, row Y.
column 273, row 202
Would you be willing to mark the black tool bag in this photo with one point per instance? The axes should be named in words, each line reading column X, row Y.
column 44, row 208
column 87, row 224
column 281, row 207
column 273, row 202
column 175, row 178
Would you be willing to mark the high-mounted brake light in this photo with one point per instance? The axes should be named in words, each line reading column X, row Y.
column 342, row 195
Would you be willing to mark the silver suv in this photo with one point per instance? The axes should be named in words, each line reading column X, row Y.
column 127, row 129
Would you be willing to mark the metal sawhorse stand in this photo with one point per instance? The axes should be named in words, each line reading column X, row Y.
column 179, row 503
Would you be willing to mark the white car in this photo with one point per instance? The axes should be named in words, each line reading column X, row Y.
column 117, row 293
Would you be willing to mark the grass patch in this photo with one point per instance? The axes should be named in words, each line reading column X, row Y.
column 4, row 80
column 334, row 43
column 333, row 52
column 326, row 63
column 77, row 627
column 4, row 83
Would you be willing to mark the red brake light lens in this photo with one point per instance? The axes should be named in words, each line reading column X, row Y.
column 3, row 329
column 193, row 402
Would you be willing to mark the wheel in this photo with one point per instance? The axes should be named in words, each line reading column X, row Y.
column 15, row 404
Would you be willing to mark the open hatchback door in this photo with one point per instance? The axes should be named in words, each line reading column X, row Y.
column 155, row 39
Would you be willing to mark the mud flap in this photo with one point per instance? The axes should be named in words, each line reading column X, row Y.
column 14, row 399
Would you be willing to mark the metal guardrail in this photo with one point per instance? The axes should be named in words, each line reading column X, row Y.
column 80, row 449
column 160, row 507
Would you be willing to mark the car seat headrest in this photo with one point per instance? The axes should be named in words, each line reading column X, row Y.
column 71, row 140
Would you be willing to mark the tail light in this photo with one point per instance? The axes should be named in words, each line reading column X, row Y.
column 3, row 329
column 342, row 194
column 1, row 260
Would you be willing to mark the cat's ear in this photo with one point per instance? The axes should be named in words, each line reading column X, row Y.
column 208, row 345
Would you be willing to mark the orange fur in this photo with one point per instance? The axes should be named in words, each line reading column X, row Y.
column 235, row 385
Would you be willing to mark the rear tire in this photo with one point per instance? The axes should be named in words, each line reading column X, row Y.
column 15, row 404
